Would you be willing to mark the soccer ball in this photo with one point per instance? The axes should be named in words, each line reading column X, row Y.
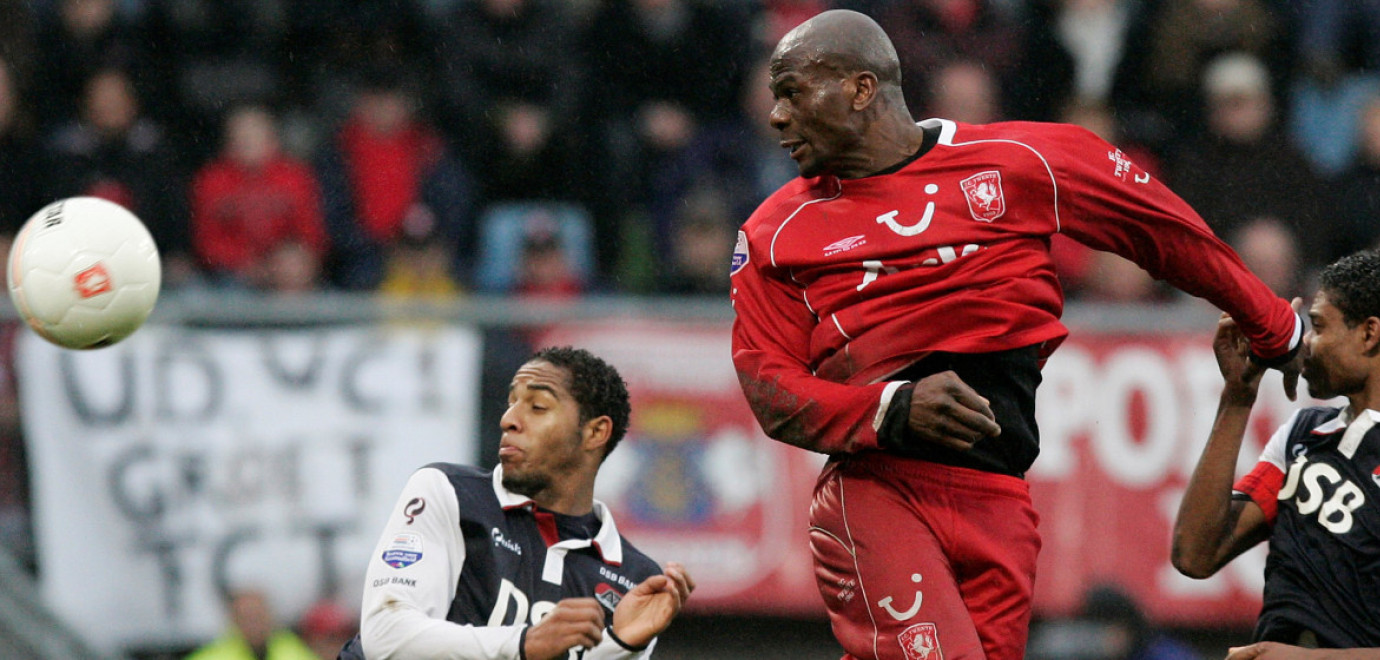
column 84, row 272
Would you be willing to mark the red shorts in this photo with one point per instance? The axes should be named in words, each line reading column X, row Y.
column 922, row 561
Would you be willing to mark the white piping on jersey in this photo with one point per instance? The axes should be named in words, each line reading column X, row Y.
column 853, row 552
column 838, row 325
column 771, row 249
column 946, row 138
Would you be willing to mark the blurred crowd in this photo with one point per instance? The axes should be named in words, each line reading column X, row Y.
column 559, row 147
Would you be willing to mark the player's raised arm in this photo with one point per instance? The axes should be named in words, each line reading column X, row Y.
column 1212, row 527
column 1111, row 204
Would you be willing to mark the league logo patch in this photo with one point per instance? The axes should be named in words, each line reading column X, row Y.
column 921, row 642
column 1375, row 476
column 404, row 551
column 985, row 199
column 740, row 254
column 607, row 596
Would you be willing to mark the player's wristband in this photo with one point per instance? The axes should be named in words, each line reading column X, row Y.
column 609, row 631
column 1277, row 361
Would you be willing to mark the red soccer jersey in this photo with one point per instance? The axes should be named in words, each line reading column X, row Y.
column 838, row 284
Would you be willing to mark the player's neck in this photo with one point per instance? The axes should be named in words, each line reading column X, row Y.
column 889, row 143
column 571, row 497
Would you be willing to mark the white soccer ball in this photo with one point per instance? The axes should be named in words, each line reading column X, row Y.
column 84, row 272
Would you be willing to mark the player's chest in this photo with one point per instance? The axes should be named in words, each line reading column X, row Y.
column 912, row 218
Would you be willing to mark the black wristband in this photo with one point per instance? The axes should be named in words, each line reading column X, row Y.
column 1279, row 361
column 630, row 647
column 522, row 643
column 896, row 423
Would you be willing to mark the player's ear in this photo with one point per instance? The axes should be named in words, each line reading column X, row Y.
column 596, row 433
column 1370, row 335
column 864, row 89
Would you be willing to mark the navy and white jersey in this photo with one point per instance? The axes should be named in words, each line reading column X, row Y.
column 465, row 566
column 1318, row 481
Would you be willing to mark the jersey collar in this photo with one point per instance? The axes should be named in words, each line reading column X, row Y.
column 1355, row 429
column 607, row 542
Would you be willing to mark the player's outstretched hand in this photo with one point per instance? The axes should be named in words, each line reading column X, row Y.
column 573, row 622
column 648, row 609
column 1233, row 351
column 946, row 411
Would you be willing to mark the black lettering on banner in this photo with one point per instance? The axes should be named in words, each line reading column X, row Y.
column 164, row 550
column 122, row 407
column 147, row 509
column 185, row 358
column 326, row 535
column 351, row 376
column 306, row 375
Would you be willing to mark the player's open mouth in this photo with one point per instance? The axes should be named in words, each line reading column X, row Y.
column 795, row 147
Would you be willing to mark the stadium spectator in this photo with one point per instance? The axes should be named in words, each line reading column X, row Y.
column 1310, row 495
column 675, row 68
column 1244, row 166
column 931, row 33
column 529, row 530
column 212, row 55
column 701, row 245
column 1169, row 44
column 1337, row 69
column 1110, row 625
column 79, row 40
column 511, row 81
column 894, row 306
column 115, row 152
column 253, row 633
column 964, row 91
column 1355, row 192
column 1269, row 248
column 256, row 212
column 386, row 164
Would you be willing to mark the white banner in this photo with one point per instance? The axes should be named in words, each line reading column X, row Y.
column 181, row 461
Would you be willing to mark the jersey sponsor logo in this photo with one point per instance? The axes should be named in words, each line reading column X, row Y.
column 921, row 642
column 740, row 254
column 985, row 198
column 1307, row 484
column 503, row 542
column 616, row 578
column 404, row 551
column 607, row 595
column 845, row 244
column 414, row 508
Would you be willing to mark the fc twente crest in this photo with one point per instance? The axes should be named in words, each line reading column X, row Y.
column 985, row 199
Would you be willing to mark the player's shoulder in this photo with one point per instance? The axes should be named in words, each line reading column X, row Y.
column 636, row 562
column 1317, row 418
column 455, row 471
column 470, row 483
column 787, row 199
column 1033, row 133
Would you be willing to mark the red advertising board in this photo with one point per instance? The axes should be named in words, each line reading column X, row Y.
column 1122, row 419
